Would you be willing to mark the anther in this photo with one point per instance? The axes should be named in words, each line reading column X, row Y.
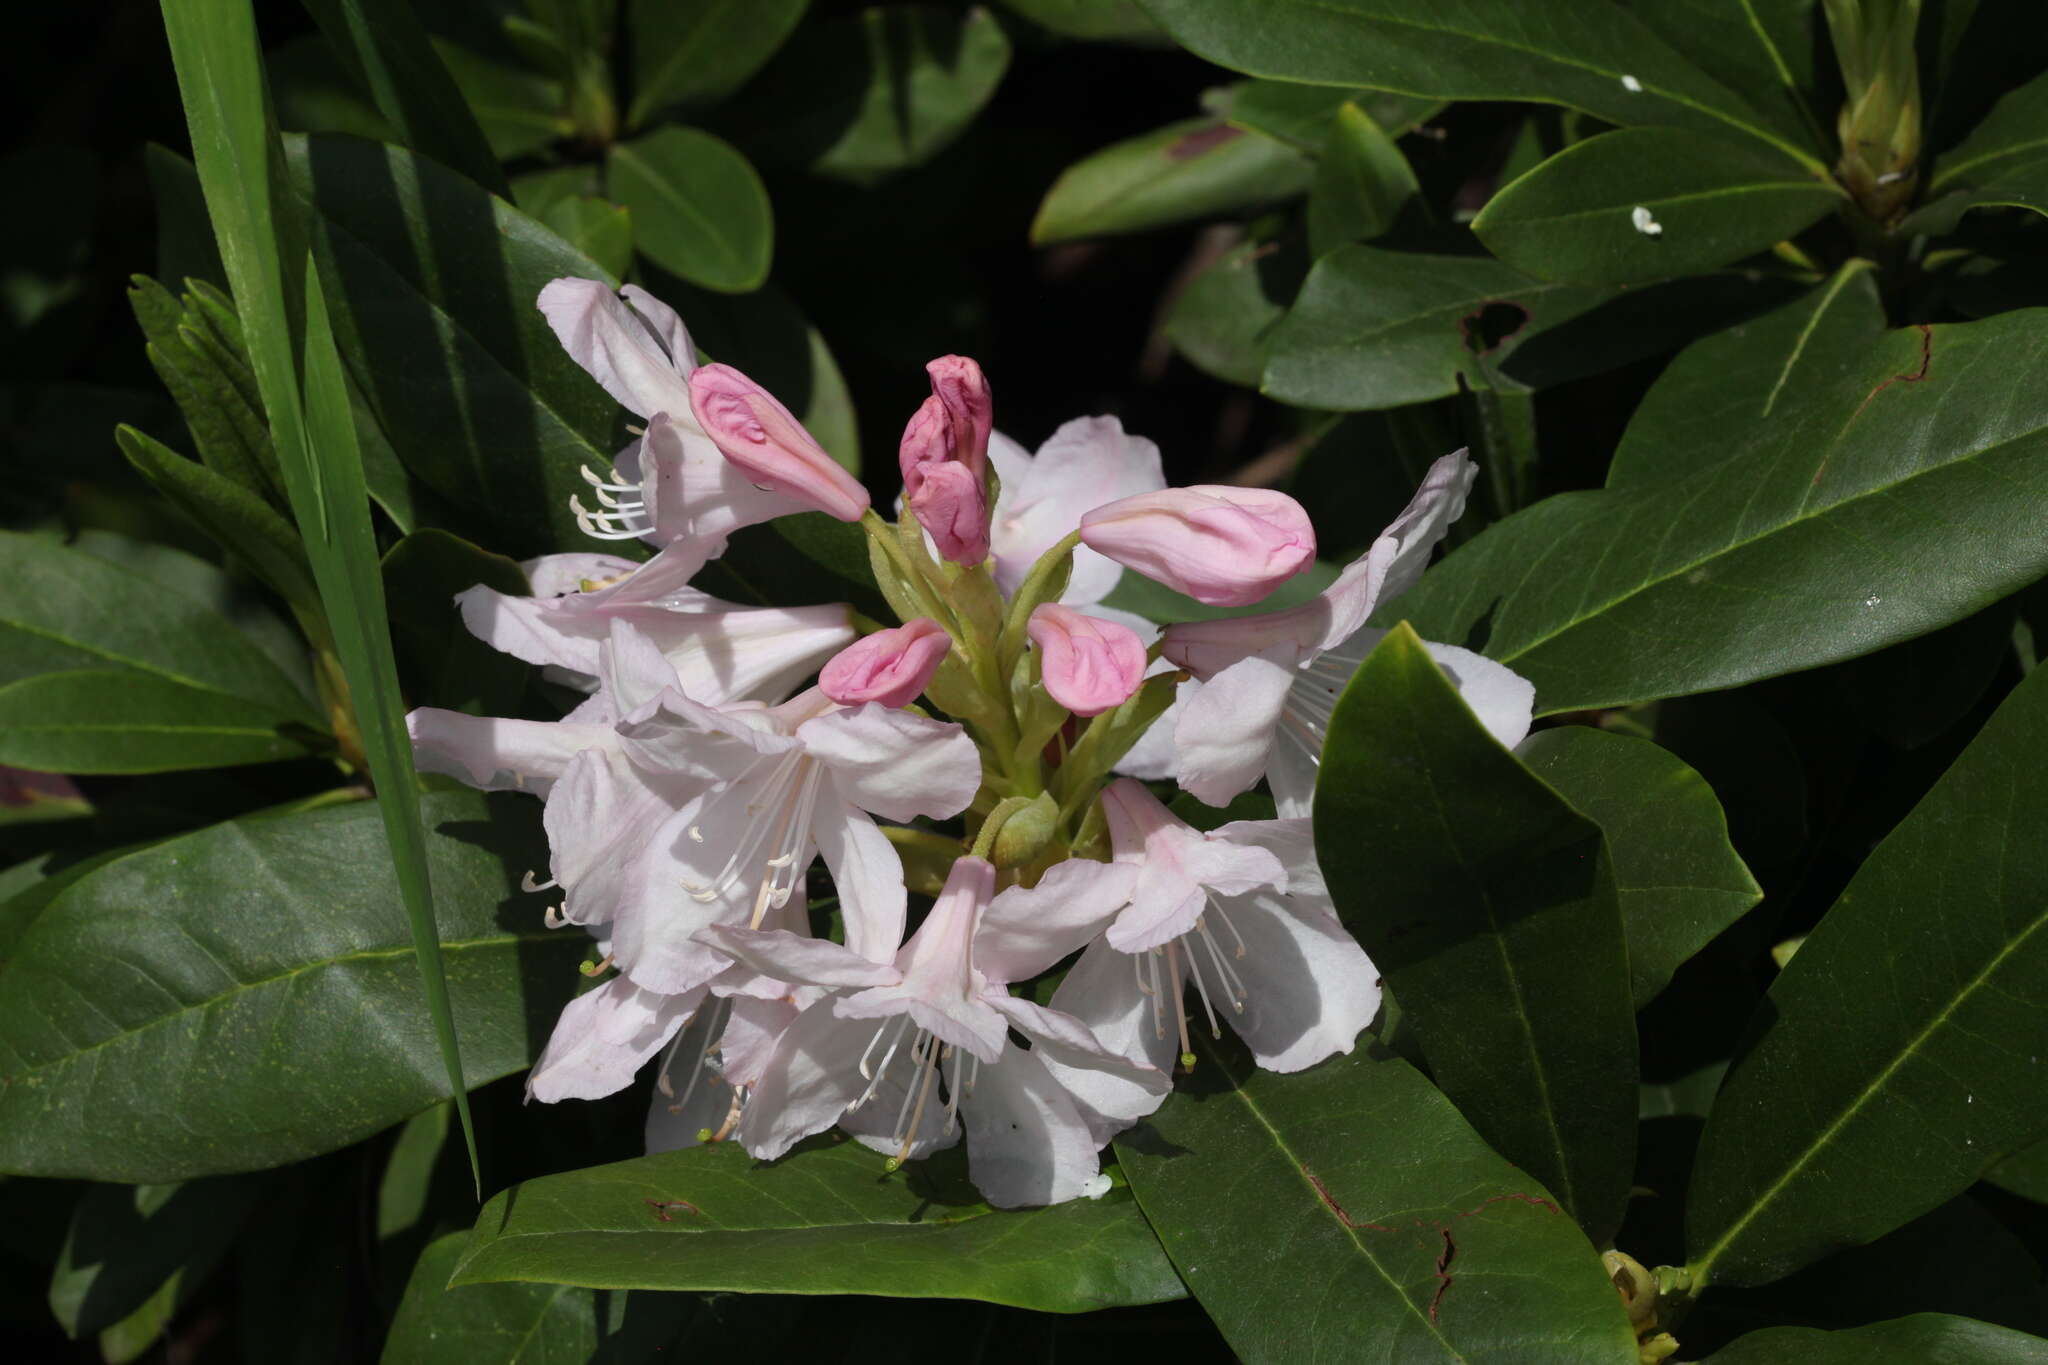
column 529, row 885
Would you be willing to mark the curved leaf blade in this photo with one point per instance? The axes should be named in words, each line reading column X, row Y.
column 699, row 53
column 247, row 996
column 1642, row 204
column 1899, row 1053
column 105, row 720
column 1488, row 904
column 1932, row 1337
column 698, row 207
column 1196, row 168
column 1784, row 522
column 823, row 1220
column 1680, row 882
column 1349, row 1212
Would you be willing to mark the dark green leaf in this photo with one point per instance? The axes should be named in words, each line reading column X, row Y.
column 1350, row 1213
column 1362, row 181
column 127, row 1242
column 1379, row 329
column 381, row 45
column 1901, row 1042
column 698, row 207
column 1925, row 1339
column 240, row 522
column 433, row 288
column 247, row 995
column 520, row 112
column 1199, row 168
column 1763, row 50
column 185, row 248
column 212, row 386
column 65, row 609
column 824, row 1220
column 1570, row 52
column 1096, row 19
column 409, row 1171
column 1642, row 204
column 555, row 1324
column 1488, row 904
column 1221, row 320
column 596, row 227
column 1299, row 115
column 1774, row 506
column 123, row 721
column 863, row 97
column 1678, row 878
column 699, row 53
column 2009, row 145
column 451, row 667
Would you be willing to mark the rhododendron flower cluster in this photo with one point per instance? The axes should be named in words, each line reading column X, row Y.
column 691, row 792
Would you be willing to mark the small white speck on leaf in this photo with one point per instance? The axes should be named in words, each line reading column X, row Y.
column 1095, row 1186
column 1644, row 223
column 1632, row 85
column 1872, row 600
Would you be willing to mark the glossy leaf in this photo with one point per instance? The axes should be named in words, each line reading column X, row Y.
column 66, row 610
column 1095, row 19
column 1643, row 204
column 533, row 1324
column 596, row 227
column 1781, row 500
column 1222, row 320
column 382, row 45
column 699, row 53
column 455, row 361
column 824, row 1220
column 107, row 720
column 409, row 1171
column 1488, row 904
column 127, row 1242
column 860, row 98
column 247, row 996
column 2009, row 146
column 1766, row 51
column 1679, row 880
column 1380, row 329
column 698, row 208
column 1349, row 1212
column 1362, row 181
column 1570, row 52
column 1901, row 1042
column 1300, row 115
column 1198, row 168
column 1931, row 1338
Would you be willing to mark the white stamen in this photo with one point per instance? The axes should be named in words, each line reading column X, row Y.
column 553, row 917
column 529, row 885
column 696, row 834
column 1644, row 223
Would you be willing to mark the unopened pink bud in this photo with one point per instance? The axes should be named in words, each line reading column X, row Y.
column 764, row 439
column 951, row 503
column 890, row 666
column 1089, row 665
column 962, row 390
column 927, row 441
column 1226, row 547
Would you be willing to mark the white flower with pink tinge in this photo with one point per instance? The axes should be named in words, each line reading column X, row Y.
column 937, row 1056
column 1265, row 685
column 1239, row 914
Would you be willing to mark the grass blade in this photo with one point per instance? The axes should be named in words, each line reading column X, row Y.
column 220, row 78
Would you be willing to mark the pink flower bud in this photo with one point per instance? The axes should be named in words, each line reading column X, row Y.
column 927, row 441
column 962, row 390
column 1089, row 665
column 1226, row 547
column 764, row 439
column 890, row 666
column 951, row 503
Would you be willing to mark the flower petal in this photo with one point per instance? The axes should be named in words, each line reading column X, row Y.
column 1104, row 994
column 893, row 763
column 1027, row 1142
column 797, row 958
column 808, row 1083
column 499, row 755
column 1309, row 989
column 621, row 353
column 603, row 1037
column 1503, row 699
column 596, row 818
column 1027, row 929
column 1226, row 728
column 1089, row 461
column 698, row 1096
column 667, row 328
column 868, row 874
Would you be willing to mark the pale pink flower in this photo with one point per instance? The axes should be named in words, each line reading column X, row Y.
column 1267, row 684
column 890, row 666
column 1239, row 913
column 671, row 484
column 1086, row 463
column 1088, row 665
column 939, row 1057
column 1223, row 546
column 765, row 440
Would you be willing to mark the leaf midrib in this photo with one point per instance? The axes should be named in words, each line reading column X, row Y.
column 126, row 663
column 708, row 227
column 1689, row 196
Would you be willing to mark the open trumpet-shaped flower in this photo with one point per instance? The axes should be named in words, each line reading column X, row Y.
column 906, row 1053
column 720, row 650
column 1236, row 918
column 1266, row 684
column 672, row 483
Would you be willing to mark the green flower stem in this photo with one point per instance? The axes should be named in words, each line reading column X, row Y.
column 1045, row 582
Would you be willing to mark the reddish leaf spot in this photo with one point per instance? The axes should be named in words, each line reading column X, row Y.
column 662, row 1206
column 1201, row 140
column 1926, row 354
column 1486, row 328
column 1443, row 1272
column 1538, row 1201
column 1338, row 1208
